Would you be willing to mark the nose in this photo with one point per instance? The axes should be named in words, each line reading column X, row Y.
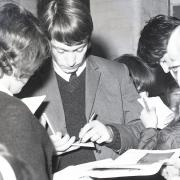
column 71, row 59
column 178, row 76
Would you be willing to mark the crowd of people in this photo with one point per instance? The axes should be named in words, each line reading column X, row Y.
column 91, row 99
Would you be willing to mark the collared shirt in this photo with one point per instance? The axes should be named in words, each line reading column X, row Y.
column 64, row 75
column 5, row 90
column 6, row 170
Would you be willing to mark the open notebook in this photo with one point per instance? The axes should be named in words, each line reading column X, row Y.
column 162, row 111
column 33, row 103
column 134, row 162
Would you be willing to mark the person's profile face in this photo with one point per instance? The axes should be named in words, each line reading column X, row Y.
column 16, row 84
column 172, row 57
column 68, row 58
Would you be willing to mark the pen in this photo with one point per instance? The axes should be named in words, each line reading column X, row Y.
column 44, row 117
column 146, row 105
column 92, row 117
column 90, row 120
column 116, row 168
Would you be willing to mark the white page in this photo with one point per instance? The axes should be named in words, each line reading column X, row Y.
column 162, row 111
column 33, row 103
column 133, row 162
column 87, row 144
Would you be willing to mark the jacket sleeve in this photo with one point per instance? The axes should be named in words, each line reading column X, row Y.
column 131, row 125
column 148, row 139
column 169, row 137
column 26, row 139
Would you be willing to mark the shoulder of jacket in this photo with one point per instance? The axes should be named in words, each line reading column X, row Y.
column 107, row 64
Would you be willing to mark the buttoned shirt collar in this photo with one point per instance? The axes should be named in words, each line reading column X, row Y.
column 64, row 75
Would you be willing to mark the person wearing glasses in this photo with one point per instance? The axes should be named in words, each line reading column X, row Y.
column 155, row 49
column 159, row 47
column 80, row 85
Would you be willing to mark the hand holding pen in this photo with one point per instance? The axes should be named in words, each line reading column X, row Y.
column 94, row 131
column 148, row 116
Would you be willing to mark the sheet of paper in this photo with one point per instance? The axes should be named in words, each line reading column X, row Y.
column 87, row 144
column 163, row 113
column 77, row 145
column 33, row 103
column 133, row 162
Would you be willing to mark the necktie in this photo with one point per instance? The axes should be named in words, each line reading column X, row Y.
column 73, row 77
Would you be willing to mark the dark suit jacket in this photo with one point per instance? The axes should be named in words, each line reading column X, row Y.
column 24, row 136
column 109, row 92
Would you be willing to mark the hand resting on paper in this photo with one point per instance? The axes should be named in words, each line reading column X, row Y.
column 64, row 143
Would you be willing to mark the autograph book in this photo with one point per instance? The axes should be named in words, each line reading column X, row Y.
column 133, row 162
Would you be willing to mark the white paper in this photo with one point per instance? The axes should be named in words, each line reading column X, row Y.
column 133, row 162
column 162, row 111
column 87, row 144
column 33, row 103
column 76, row 146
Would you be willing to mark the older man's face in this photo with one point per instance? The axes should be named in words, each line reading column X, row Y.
column 172, row 57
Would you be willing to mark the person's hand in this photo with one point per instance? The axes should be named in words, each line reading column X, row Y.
column 62, row 143
column 172, row 171
column 167, row 120
column 95, row 131
column 149, row 118
column 71, row 173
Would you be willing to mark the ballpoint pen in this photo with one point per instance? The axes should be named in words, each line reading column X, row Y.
column 90, row 120
column 92, row 117
column 146, row 105
column 115, row 168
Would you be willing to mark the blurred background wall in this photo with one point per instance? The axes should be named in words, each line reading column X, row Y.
column 117, row 23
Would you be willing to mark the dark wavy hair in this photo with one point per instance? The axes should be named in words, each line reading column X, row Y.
column 68, row 21
column 154, row 38
column 23, row 44
column 140, row 72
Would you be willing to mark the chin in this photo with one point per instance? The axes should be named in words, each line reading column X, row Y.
column 16, row 91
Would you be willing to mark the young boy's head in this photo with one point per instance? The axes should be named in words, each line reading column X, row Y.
column 159, row 44
column 69, row 27
column 68, row 22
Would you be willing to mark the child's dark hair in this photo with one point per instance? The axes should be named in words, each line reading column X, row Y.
column 154, row 38
column 140, row 72
column 68, row 21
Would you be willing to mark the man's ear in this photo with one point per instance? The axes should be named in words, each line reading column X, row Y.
column 164, row 64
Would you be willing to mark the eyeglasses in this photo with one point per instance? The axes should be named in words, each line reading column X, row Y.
column 167, row 60
column 174, row 68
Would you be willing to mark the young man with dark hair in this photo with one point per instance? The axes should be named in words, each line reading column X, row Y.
column 153, row 49
column 80, row 84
